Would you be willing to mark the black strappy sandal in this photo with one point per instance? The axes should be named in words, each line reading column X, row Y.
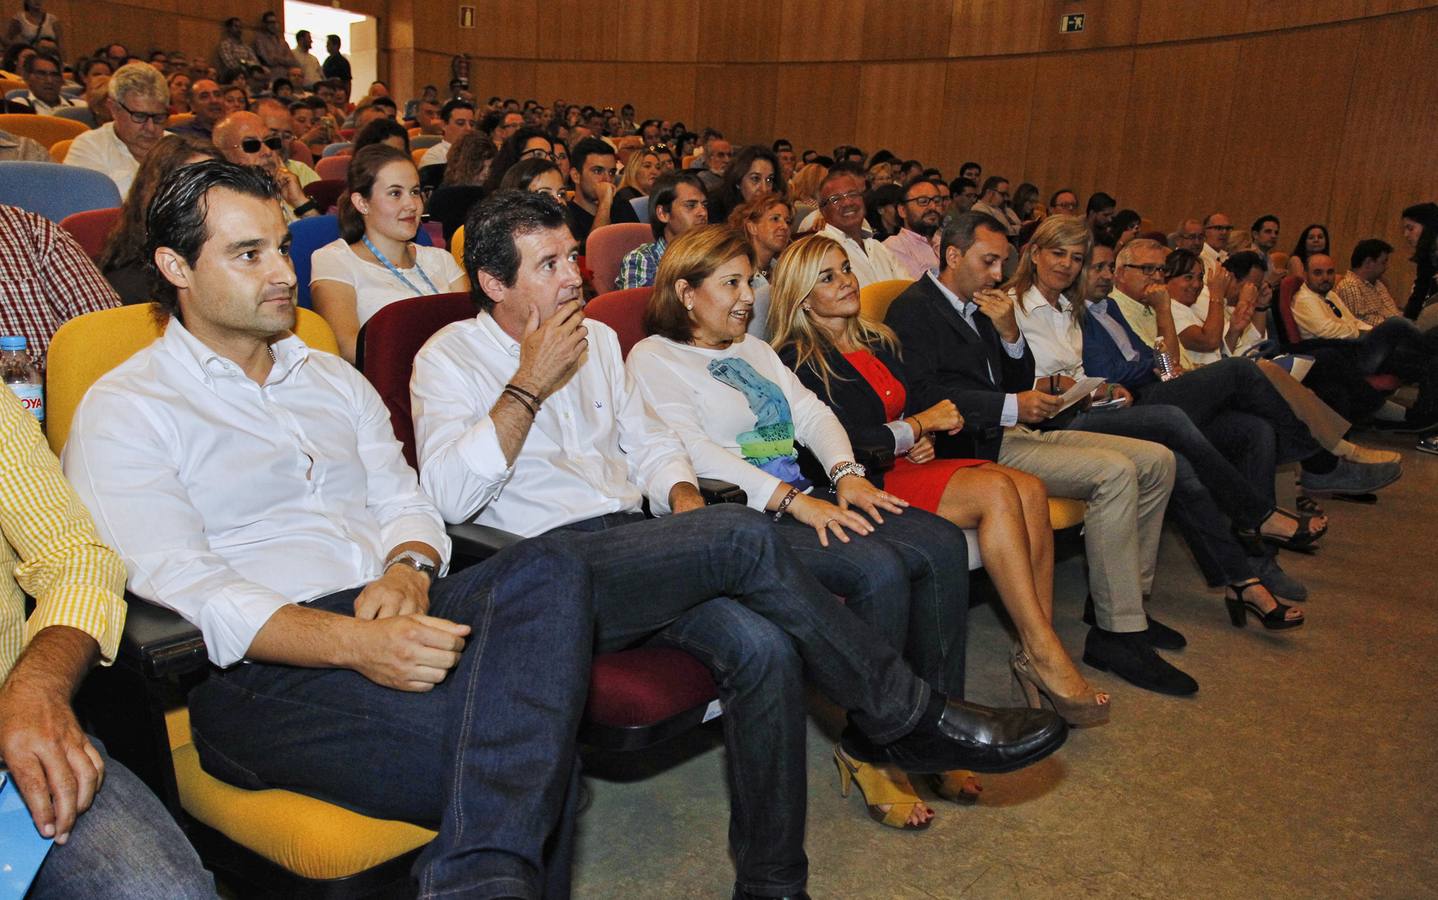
column 1303, row 539
column 1275, row 619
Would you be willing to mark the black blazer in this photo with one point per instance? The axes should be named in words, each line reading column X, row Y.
column 946, row 359
column 858, row 407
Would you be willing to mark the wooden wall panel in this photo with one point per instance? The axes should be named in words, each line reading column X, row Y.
column 576, row 82
column 1076, row 121
column 649, row 30
column 986, row 112
column 901, row 108
column 990, row 27
column 821, row 29
column 748, row 31
column 1165, row 20
column 1265, row 16
column 818, row 104
column 503, row 28
column 661, row 91
column 1110, row 23
column 914, row 29
column 740, row 101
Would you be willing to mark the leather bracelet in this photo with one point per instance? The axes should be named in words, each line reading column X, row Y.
column 533, row 398
column 521, row 400
column 784, row 504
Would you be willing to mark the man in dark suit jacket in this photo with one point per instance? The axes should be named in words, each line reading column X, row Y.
column 961, row 342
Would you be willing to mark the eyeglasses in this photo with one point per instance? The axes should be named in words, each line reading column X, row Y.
column 1066, row 207
column 658, row 148
column 144, row 118
column 839, row 198
column 252, row 145
column 1218, row 227
column 925, row 202
column 536, row 153
column 1149, row 270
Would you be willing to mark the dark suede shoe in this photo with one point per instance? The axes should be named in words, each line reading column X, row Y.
column 955, row 734
column 1279, row 583
column 745, row 895
column 1132, row 658
column 1159, row 635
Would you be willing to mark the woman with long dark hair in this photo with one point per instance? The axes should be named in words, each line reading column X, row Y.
column 1311, row 240
column 1420, row 230
column 754, row 171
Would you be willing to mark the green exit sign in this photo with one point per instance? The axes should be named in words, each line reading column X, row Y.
column 1071, row 23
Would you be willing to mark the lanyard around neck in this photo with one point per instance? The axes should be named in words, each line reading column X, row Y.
column 384, row 261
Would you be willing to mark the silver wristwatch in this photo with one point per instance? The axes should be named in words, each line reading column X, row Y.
column 415, row 560
column 847, row 468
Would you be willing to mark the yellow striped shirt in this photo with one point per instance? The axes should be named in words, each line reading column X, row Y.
column 50, row 550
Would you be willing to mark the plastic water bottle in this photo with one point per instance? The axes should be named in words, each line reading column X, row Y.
column 1162, row 360
column 22, row 376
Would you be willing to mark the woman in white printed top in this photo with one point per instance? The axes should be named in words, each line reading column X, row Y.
column 375, row 260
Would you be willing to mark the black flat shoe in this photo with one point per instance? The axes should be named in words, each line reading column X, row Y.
column 1275, row 619
column 955, row 734
column 1159, row 635
column 1131, row 657
column 745, row 895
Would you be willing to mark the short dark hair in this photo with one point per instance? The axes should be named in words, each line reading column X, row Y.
column 1258, row 223
column 970, row 165
column 993, row 181
column 490, row 230
column 958, row 184
column 178, row 213
column 1100, row 202
column 385, row 101
column 450, row 106
column 782, row 144
column 360, row 179
column 590, row 146
column 959, row 231
column 1366, row 249
column 666, row 188
column 840, row 169
column 49, row 56
column 1242, row 262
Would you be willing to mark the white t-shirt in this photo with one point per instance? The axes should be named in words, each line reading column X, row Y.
column 1185, row 317
column 375, row 286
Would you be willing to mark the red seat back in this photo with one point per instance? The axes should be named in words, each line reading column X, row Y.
column 325, row 192
column 1286, row 323
column 392, row 337
column 91, row 229
column 624, row 312
column 606, row 246
column 333, row 167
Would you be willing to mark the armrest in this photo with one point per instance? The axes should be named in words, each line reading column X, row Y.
column 715, row 491
column 158, row 642
column 874, row 458
column 478, row 542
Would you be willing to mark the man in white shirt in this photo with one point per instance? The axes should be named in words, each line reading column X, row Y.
column 842, row 204
column 912, row 247
column 317, row 573
column 526, row 419
column 1395, row 346
column 309, row 63
column 139, row 107
column 43, row 73
column 458, row 118
column 1216, row 229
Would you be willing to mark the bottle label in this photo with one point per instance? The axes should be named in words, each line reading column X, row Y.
column 32, row 397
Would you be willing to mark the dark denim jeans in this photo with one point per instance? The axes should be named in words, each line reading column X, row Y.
column 124, row 847
column 488, row 756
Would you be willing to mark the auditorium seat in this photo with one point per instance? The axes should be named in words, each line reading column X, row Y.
column 44, row 129
column 91, row 229
column 605, row 248
column 55, row 191
column 1289, row 335
column 60, row 149
column 418, row 155
column 874, row 299
column 333, row 167
column 325, row 192
column 456, row 246
column 336, row 148
column 309, row 235
column 425, row 141
column 300, row 152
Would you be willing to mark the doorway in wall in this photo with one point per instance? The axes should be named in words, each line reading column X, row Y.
column 358, row 38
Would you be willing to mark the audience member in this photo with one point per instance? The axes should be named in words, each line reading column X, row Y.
column 278, row 124
column 525, row 142
column 235, row 97
column 842, row 206
column 179, row 86
column 43, row 76
column 270, row 47
column 788, row 163
column 1216, row 229
column 14, row 147
column 139, row 106
column 753, row 171
column 641, row 170
column 374, row 261
column 962, row 343
column 1064, row 202
column 381, row 131
column 458, row 119
column 1025, row 203
column 718, row 154
column 764, row 223
column 1264, row 232
column 881, row 210
column 1122, row 228
column 45, row 279
column 920, row 214
column 677, row 205
column 1362, row 289
column 965, row 193
column 336, row 68
column 1313, row 239
column 234, row 56
column 1189, row 236
column 1420, row 232
column 31, row 23
column 592, row 174
column 994, row 202
column 971, row 171
column 244, row 139
column 1099, row 211
column 309, row 64
column 470, row 168
column 804, row 192
column 207, row 103
column 540, row 176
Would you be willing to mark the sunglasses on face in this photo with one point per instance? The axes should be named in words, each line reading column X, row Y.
column 252, row 145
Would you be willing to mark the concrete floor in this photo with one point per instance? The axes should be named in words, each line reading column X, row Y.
column 1300, row 769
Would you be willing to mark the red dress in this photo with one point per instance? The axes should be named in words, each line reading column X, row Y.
column 921, row 485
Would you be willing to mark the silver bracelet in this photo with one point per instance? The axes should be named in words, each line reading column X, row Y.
column 846, row 468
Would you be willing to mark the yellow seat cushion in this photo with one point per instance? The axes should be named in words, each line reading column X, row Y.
column 306, row 836
column 1065, row 512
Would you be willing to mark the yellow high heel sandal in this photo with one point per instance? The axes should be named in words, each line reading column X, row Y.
column 880, row 787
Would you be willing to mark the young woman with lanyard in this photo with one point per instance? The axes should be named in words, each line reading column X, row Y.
column 375, row 260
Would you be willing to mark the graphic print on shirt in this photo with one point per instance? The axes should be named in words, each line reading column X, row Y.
column 770, row 446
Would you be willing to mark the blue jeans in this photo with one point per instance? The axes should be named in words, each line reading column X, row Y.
column 488, row 756
column 124, row 847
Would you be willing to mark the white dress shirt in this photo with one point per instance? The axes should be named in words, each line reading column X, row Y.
column 967, row 309
column 1054, row 335
column 103, row 151
column 594, row 448
column 228, row 499
column 1325, row 316
column 1211, row 259
column 870, row 261
column 437, row 155
column 1186, row 317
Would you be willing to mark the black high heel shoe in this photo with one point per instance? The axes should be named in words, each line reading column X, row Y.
column 1302, row 539
column 1275, row 619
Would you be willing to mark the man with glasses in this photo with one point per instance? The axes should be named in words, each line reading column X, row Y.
column 1189, row 236
column 718, row 154
column 677, row 203
column 1064, row 202
column 841, row 202
column 1216, row 229
column 279, row 124
column 920, row 214
column 43, row 78
column 994, row 201
column 139, row 108
column 242, row 138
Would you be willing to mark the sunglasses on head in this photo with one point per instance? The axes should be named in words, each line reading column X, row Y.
column 252, row 145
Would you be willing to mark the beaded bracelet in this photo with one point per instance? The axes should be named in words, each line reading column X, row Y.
column 784, row 504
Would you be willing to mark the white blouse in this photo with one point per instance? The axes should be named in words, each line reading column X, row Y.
column 375, row 286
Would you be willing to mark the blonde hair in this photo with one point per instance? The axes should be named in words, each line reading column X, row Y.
column 692, row 257
column 631, row 169
column 1053, row 232
column 804, row 187
column 795, row 275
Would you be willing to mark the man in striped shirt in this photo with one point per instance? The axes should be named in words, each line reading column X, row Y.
column 113, row 838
